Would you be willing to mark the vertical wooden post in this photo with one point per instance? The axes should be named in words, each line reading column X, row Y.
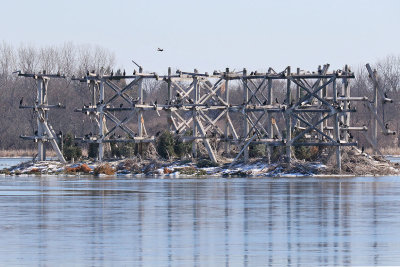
column 40, row 130
column 324, row 96
column 45, row 110
column 320, row 94
column 270, row 129
column 101, row 121
column 245, row 123
column 227, row 144
column 288, row 119
column 348, row 95
column 375, row 121
column 298, row 95
column 346, row 91
column 336, row 129
column 92, row 87
column 140, row 112
column 194, row 108
column 169, row 98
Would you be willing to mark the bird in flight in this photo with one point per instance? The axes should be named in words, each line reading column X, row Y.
column 160, row 49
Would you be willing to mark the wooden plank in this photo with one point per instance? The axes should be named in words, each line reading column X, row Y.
column 245, row 123
column 205, row 140
column 288, row 118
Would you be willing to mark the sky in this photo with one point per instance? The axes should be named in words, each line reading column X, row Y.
column 212, row 35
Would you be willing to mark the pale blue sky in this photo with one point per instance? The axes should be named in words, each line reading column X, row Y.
column 212, row 35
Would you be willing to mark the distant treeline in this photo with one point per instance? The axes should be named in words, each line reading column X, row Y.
column 73, row 60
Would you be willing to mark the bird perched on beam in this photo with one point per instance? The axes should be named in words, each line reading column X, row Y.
column 21, row 101
column 160, row 49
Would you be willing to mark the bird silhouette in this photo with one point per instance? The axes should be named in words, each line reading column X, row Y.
column 120, row 105
column 160, row 49
column 276, row 100
column 21, row 101
column 124, row 73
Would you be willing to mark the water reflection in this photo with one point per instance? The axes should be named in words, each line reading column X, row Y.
column 302, row 222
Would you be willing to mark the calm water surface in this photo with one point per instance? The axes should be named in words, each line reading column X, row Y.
column 9, row 162
column 186, row 222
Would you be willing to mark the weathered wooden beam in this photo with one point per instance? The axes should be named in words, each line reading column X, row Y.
column 245, row 148
column 270, row 129
column 206, row 143
column 349, row 98
column 227, row 118
column 350, row 128
column 336, row 120
column 288, row 117
column 100, row 152
column 194, row 115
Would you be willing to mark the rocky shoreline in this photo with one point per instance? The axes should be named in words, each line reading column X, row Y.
column 354, row 163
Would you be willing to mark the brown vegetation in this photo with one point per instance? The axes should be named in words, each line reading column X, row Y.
column 104, row 169
column 356, row 163
column 9, row 153
column 84, row 168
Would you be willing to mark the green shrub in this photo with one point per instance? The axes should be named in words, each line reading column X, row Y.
column 93, row 150
column 308, row 153
column 127, row 150
column 182, row 148
column 71, row 150
column 276, row 152
column 165, row 145
column 256, row 151
column 188, row 170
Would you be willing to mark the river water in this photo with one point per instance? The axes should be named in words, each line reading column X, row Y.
column 199, row 222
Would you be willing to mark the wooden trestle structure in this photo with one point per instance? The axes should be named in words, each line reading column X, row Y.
column 41, row 107
column 317, row 107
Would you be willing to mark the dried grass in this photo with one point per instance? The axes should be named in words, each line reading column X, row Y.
column 104, row 169
column 84, row 168
column 385, row 150
column 9, row 153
